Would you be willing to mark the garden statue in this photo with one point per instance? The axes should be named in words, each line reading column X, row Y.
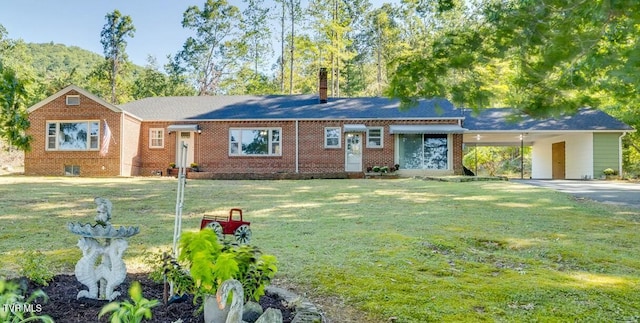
column 233, row 287
column 101, row 280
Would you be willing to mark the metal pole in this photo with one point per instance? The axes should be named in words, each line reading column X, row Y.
column 521, row 156
column 179, row 197
column 177, row 226
column 475, row 150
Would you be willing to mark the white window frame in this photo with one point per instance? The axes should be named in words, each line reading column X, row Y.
column 72, row 100
column 381, row 137
column 274, row 143
column 157, row 135
column 52, row 143
column 338, row 131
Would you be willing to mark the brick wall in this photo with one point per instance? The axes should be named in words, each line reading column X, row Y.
column 212, row 149
column 211, row 146
column 39, row 161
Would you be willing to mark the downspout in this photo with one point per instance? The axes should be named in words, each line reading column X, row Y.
column 297, row 147
column 620, row 154
column 121, row 162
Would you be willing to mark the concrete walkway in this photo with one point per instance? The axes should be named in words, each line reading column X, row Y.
column 611, row 192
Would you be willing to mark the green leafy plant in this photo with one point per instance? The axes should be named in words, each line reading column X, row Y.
column 210, row 263
column 14, row 305
column 36, row 267
column 376, row 169
column 384, row 169
column 164, row 266
column 127, row 312
column 609, row 172
column 172, row 165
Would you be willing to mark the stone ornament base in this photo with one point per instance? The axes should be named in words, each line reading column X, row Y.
column 306, row 312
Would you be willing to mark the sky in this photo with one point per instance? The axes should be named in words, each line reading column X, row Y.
column 158, row 23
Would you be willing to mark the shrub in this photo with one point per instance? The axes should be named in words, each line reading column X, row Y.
column 210, row 263
column 609, row 172
column 36, row 268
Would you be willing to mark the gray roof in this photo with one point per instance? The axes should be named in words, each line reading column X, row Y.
column 282, row 107
column 308, row 107
column 497, row 119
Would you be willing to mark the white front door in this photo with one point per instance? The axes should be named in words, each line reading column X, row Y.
column 353, row 158
column 187, row 138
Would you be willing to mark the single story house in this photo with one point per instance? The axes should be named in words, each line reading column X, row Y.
column 76, row 133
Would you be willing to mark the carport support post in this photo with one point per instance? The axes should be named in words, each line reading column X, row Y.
column 521, row 156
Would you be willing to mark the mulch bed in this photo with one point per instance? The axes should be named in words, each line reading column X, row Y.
column 64, row 307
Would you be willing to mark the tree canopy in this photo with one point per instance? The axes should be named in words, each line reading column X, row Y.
column 543, row 58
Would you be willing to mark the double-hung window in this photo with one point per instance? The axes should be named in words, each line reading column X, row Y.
column 332, row 137
column 255, row 142
column 374, row 137
column 73, row 135
column 156, row 138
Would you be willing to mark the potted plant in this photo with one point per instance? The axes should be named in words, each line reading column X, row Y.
column 172, row 170
column 210, row 263
column 609, row 173
column 194, row 167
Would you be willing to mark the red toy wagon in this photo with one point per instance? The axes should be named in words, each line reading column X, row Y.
column 228, row 225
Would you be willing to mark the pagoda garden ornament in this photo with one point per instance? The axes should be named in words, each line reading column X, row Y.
column 103, row 278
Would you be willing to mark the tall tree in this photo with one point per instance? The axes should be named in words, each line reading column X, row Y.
column 13, row 115
column 336, row 25
column 113, row 39
column 216, row 47
column 294, row 10
column 257, row 33
column 382, row 40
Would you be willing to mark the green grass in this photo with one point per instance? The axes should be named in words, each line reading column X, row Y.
column 415, row 250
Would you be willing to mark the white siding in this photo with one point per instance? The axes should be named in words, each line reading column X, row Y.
column 578, row 156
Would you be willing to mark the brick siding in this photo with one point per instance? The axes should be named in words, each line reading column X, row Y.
column 211, row 146
column 39, row 161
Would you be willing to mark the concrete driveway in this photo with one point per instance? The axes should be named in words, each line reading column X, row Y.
column 618, row 193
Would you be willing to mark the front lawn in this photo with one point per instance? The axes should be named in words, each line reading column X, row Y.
column 407, row 249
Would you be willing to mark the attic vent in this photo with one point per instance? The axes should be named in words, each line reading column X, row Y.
column 73, row 100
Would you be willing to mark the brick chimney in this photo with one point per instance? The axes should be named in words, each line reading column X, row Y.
column 322, row 84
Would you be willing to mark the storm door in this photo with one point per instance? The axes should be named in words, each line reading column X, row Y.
column 187, row 138
column 353, row 158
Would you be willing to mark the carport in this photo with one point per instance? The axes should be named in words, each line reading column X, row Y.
column 579, row 146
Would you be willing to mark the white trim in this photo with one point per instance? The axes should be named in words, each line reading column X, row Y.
column 426, row 129
column 339, row 145
column 151, row 138
column 88, row 122
column 79, row 90
column 270, row 142
column 70, row 102
column 381, row 137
